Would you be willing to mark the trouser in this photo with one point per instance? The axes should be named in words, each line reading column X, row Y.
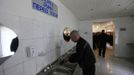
column 102, row 50
column 89, row 70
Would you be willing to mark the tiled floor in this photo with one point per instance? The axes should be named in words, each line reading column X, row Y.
column 112, row 65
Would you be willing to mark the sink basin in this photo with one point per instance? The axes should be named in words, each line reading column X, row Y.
column 69, row 65
column 59, row 70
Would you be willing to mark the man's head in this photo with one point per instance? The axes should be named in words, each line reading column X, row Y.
column 103, row 31
column 74, row 35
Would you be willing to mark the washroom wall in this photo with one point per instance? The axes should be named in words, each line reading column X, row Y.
column 125, row 38
column 122, row 38
column 36, row 30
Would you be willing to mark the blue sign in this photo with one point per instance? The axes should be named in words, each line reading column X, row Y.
column 46, row 6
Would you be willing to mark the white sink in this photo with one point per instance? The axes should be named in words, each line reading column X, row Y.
column 59, row 70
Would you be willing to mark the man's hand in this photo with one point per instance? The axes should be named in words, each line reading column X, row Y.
column 66, row 60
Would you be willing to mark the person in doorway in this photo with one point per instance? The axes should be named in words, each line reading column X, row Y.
column 103, row 37
column 84, row 54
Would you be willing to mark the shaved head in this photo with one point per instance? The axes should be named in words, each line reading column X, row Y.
column 74, row 32
column 74, row 35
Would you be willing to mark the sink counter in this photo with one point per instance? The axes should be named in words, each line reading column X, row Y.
column 58, row 67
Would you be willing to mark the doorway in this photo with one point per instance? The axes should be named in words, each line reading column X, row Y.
column 109, row 28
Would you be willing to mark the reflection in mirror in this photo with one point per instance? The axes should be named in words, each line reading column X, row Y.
column 8, row 43
column 66, row 34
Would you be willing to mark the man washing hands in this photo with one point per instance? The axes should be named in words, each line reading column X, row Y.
column 83, row 56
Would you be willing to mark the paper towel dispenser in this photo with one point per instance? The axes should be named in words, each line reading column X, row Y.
column 9, row 43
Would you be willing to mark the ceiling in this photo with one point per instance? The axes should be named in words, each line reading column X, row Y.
column 100, row 9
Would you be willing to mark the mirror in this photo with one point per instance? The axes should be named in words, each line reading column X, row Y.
column 8, row 43
column 66, row 34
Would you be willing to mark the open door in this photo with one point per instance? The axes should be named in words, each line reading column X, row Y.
column 109, row 28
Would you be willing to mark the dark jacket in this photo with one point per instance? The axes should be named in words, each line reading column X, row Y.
column 84, row 55
column 103, row 38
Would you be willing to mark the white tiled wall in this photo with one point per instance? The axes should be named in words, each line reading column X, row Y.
column 29, row 67
column 16, row 70
column 124, row 37
column 86, row 26
column 1, row 68
column 1, row 73
column 35, row 29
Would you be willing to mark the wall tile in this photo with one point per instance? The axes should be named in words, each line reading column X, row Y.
column 16, row 70
column 1, row 73
column 1, row 68
column 30, row 67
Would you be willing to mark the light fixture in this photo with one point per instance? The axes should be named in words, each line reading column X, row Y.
column 110, row 30
column 97, row 27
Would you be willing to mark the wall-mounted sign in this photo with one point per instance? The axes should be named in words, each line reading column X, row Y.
column 122, row 29
column 46, row 6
